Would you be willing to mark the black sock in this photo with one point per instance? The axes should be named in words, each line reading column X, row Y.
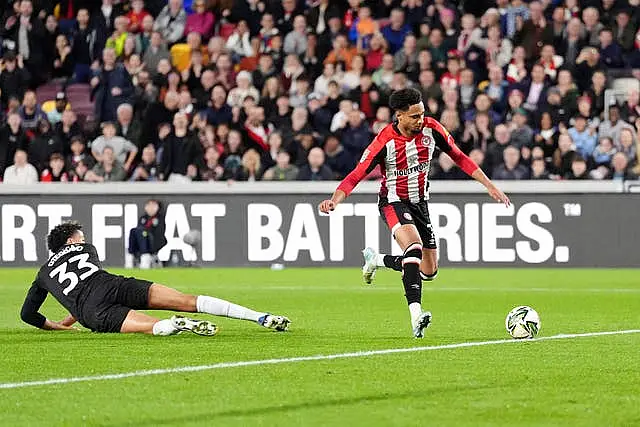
column 393, row 262
column 429, row 277
column 411, row 273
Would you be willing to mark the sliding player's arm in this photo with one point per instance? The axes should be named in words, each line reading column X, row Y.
column 444, row 141
column 372, row 156
column 30, row 311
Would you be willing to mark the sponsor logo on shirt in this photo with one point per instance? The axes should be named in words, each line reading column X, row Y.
column 406, row 172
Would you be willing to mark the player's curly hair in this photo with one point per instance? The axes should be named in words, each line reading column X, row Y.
column 58, row 237
column 402, row 99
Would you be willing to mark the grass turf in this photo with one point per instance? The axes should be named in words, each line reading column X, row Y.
column 580, row 381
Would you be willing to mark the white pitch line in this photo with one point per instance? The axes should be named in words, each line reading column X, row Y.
column 224, row 365
column 431, row 288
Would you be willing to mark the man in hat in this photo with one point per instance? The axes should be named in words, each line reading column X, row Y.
column 61, row 104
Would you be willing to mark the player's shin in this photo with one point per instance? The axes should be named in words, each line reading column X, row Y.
column 164, row 327
column 220, row 307
column 412, row 281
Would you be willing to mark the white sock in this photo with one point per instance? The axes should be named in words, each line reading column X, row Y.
column 380, row 260
column 164, row 328
column 415, row 309
column 220, row 307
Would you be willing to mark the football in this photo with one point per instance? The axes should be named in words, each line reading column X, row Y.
column 523, row 322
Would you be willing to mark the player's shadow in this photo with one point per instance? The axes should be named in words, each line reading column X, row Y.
column 275, row 409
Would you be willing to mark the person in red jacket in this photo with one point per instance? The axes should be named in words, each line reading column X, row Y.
column 136, row 15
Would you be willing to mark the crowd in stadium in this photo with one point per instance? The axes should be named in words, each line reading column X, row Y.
column 246, row 90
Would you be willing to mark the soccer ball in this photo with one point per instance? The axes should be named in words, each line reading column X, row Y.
column 523, row 322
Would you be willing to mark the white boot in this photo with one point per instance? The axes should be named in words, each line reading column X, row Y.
column 145, row 261
column 129, row 260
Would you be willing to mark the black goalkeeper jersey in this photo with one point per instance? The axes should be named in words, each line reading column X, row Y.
column 68, row 275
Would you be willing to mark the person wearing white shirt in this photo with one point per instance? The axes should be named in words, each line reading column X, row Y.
column 21, row 172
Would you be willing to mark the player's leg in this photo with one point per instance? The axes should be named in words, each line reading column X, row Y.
column 136, row 322
column 393, row 218
column 410, row 241
column 429, row 265
column 165, row 298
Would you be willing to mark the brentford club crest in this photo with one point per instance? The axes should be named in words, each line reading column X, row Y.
column 408, row 216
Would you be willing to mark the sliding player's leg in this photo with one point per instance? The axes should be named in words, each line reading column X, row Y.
column 164, row 298
column 137, row 322
column 409, row 240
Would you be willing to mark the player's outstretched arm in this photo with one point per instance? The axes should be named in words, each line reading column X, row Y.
column 444, row 141
column 29, row 312
column 328, row 205
column 495, row 193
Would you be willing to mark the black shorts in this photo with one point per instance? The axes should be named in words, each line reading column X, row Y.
column 400, row 213
column 111, row 298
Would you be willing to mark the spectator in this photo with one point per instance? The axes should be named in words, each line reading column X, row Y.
column 337, row 158
column 45, row 144
column 296, row 41
column 56, row 171
column 79, row 154
column 239, row 42
column 356, row 137
column 511, row 169
column 156, row 52
column 127, row 127
column 117, row 40
column 521, row 133
column 143, row 38
column 182, row 155
column 30, row 111
column 592, row 25
column 283, row 170
column 547, row 136
column 212, row 170
column 396, row 31
column 251, row 168
column 63, row 64
column 243, row 89
column 612, row 128
column 201, row 21
column 136, row 16
column 21, row 172
column 315, row 169
column 111, row 86
column 627, row 144
column 28, row 33
column 84, row 50
column 584, row 138
column 578, row 169
column 171, row 22
column 620, row 168
column 61, row 104
column 123, row 150
column 14, row 79
column 603, row 153
column 563, row 157
column 624, row 30
column 495, row 151
column 148, row 237
column 67, row 128
column 539, row 169
column 610, row 52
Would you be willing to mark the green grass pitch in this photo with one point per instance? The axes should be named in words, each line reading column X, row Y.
column 588, row 381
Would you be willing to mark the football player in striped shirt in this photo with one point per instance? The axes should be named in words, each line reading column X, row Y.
column 404, row 150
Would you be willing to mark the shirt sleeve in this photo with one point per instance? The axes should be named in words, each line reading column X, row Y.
column 32, row 303
column 444, row 141
column 372, row 156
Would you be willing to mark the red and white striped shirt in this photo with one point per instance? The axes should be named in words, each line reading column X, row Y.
column 405, row 162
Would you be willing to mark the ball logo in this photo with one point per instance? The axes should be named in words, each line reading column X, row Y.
column 408, row 216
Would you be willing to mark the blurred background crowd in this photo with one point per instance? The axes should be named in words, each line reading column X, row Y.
column 210, row 90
